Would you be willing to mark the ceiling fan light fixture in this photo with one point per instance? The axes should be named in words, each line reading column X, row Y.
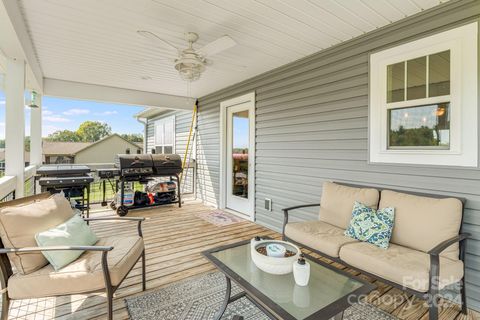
column 189, row 69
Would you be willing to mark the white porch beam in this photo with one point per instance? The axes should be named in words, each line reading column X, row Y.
column 36, row 158
column 86, row 91
column 15, row 123
column 15, row 42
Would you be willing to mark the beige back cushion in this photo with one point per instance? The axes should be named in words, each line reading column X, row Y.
column 25, row 200
column 421, row 223
column 20, row 223
column 337, row 202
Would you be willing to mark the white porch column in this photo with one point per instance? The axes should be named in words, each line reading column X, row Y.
column 36, row 133
column 15, row 122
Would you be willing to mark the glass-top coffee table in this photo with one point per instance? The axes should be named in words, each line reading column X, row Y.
column 329, row 292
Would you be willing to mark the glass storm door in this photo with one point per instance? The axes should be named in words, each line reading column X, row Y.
column 239, row 165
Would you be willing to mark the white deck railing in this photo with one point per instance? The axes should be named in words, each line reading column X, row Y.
column 7, row 187
column 9, row 183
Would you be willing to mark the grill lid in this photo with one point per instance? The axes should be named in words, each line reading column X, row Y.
column 62, row 170
column 167, row 160
column 128, row 161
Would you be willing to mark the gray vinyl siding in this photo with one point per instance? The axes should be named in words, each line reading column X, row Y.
column 312, row 126
column 208, row 154
column 183, row 121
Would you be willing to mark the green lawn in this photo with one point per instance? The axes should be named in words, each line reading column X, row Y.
column 96, row 191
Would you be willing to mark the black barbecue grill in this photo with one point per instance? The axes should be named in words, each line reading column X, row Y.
column 144, row 168
column 73, row 180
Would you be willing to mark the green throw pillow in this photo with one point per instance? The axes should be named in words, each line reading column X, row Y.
column 73, row 232
column 370, row 225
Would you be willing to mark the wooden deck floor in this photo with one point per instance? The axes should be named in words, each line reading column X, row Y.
column 174, row 240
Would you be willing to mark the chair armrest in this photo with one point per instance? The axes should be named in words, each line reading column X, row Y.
column 116, row 218
column 286, row 210
column 447, row 243
column 55, row 248
column 139, row 220
column 301, row 206
column 434, row 274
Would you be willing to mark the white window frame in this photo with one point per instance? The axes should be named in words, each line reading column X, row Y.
column 463, row 151
column 161, row 123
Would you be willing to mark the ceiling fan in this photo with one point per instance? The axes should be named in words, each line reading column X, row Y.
column 190, row 62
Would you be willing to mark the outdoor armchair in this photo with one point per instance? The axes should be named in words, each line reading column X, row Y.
column 101, row 268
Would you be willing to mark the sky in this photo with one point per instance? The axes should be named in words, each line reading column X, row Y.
column 240, row 132
column 61, row 114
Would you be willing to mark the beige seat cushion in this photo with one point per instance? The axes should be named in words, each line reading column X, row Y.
column 401, row 265
column 421, row 223
column 81, row 276
column 20, row 223
column 318, row 235
column 337, row 202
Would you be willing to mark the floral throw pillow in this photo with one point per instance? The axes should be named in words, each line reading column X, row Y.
column 370, row 225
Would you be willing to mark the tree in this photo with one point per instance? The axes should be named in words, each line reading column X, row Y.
column 27, row 143
column 91, row 131
column 64, row 136
column 132, row 137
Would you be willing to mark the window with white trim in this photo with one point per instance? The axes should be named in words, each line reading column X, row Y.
column 423, row 101
column 165, row 135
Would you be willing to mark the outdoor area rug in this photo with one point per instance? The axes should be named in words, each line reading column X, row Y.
column 200, row 297
column 219, row 218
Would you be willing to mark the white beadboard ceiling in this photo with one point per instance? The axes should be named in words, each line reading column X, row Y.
column 95, row 41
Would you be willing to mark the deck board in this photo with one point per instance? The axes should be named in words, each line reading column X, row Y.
column 174, row 239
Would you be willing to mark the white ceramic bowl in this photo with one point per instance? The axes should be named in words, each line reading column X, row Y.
column 274, row 265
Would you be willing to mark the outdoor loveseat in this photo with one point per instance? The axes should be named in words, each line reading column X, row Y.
column 426, row 251
column 25, row 274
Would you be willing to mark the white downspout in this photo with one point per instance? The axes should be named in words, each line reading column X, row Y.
column 144, row 122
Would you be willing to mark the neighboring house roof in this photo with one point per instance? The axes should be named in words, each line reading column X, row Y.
column 2, row 155
column 108, row 137
column 63, row 148
column 57, row 148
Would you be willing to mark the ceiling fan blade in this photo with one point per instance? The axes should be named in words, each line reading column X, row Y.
column 156, row 39
column 144, row 61
column 216, row 46
column 223, row 65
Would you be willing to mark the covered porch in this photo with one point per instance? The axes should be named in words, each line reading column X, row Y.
column 382, row 94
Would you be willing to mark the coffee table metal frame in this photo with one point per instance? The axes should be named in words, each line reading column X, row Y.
column 270, row 308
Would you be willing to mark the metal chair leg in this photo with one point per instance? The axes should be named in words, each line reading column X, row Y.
column 108, row 285
column 5, row 307
column 110, row 305
column 463, row 295
column 144, row 272
column 433, row 307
